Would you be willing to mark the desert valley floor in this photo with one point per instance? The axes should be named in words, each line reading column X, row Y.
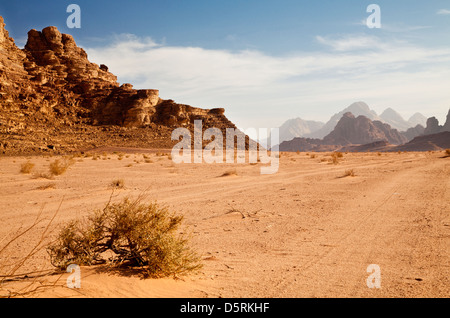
column 308, row 231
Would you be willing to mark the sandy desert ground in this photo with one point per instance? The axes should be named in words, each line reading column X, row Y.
column 307, row 231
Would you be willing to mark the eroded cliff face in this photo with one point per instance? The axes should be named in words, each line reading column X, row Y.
column 433, row 126
column 51, row 93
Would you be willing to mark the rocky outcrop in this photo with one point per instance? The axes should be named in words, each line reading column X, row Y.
column 412, row 133
column 50, row 88
column 361, row 130
column 446, row 126
column 434, row 142
column 433, row 126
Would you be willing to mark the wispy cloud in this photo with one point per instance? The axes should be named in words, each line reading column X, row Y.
column 352, row 43
column 443, row 12
column 256, row 88
column 399, row 28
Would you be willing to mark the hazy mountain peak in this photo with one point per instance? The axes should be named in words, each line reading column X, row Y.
column 298, row 127
column 357, row 109
column 395, row 120
column 418, row 119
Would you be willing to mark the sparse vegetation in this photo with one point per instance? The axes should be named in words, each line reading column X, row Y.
column 447, row 152
column 60, row 166
column 349, row 173
column 335, row 157
column 26, row 167
column 130, row 234
column 117, row 184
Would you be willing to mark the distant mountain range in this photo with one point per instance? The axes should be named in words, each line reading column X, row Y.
column 362, row 133
column 312, row 129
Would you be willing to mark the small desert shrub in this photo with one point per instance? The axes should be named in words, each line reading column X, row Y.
column 447, row 152
column 43, row 175
column 60, row 166
column 117, row 184
column 26, row 167
column 349, row 173
column 335, row 157
column 130, row 234
column 312, row 156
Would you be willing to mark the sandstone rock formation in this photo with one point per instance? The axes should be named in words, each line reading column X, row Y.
column 435, row 142
column 433, row 126
column 361, row 130
column 412, row 133
column 50, row 93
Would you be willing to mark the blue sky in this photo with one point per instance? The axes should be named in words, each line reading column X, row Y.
column 264, row 61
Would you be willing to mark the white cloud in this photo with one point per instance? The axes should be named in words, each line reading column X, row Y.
column 443, row 12
column 262, row 90
column 351, row 43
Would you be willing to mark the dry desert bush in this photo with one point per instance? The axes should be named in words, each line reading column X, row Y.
column 335, row 157
column 60, row 166
column 447, row 152
column 117, row 184
column 56, row 168
column 349, row 173
column 127, row 234
column 26, row 167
